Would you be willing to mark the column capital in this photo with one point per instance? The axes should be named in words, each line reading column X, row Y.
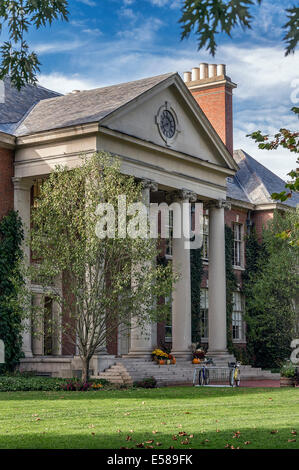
column 182, row 194
column 149, row 184
column 219, row 204
column 22, row 184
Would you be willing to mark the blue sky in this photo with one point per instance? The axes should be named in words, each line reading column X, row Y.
column 112, row 41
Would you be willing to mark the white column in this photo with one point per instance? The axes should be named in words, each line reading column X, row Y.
column 22, row 189
column 181, row 295
column 141, row 342
column 217, row 280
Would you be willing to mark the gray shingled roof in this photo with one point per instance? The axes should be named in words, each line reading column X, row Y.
column 255, row 183
column 85, row 106
column 18, row 103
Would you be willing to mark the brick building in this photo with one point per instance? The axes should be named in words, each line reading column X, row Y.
column 175, row 135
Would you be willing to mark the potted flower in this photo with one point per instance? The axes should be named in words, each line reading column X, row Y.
column 198, row 355
column 172, row 359
column 288, row 374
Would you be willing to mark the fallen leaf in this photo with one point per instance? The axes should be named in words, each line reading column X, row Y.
column 131, row 430
column 171, row 447
column 158, row 444
column 163, row 423
column 118, row 430
column 182, row 433
column 154, row 432
column 291, row 440
column 128, row 438
column 247, row 442
column 185, row 442
column 294, row 432
column 174, row 438
column 187, row 413
column 179, row 426
column 93, row 434
column 275, row 431
column 191, row 435
column 149, row 447
column 149, row 442
column 141, row 445
column 37, row 419
column 218, row 430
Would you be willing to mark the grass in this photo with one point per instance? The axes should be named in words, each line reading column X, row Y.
column 103, row 419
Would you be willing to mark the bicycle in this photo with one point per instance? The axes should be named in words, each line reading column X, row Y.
column 234, row 375
column 204, row 375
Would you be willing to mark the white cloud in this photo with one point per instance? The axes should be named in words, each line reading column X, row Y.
column 65, row 84
column 57, row 47
column 89, row 3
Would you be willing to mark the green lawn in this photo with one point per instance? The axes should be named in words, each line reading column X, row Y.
column 262, row 418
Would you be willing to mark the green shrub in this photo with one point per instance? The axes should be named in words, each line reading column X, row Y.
column 288, row 370
column 19, row 383
column 148, row 382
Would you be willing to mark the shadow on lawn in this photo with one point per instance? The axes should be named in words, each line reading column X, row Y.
column 261, row 438
column 152, row 394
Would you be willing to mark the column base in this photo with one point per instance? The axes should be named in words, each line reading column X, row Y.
column 139, row 353
column 28, row 354
column 181, row 355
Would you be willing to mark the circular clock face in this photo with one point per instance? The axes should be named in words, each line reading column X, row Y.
column 167, row 124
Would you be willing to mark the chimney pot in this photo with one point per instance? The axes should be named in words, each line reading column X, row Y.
column 221, row 69
column 212, row 70
column 204, row 72
column 187, row 77
column 195, row 74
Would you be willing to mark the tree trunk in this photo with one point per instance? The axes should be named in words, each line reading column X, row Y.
column 85, row 369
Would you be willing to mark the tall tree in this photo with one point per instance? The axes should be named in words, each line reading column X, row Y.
column 271, row 287
column 111, row 280
column 207, row 18
column 18, row 17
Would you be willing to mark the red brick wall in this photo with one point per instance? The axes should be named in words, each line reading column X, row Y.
column 6, row 186
column 260, row 220
column 216, row 103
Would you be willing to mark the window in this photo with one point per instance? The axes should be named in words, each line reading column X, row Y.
column 237, row 317
column 205, row 246
column 169, row 240
column 168, row 321
column 237, row 229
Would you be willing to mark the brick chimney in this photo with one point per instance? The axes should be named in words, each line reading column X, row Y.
column 213, row 91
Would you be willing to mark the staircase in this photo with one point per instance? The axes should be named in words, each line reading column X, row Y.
column 129, row 370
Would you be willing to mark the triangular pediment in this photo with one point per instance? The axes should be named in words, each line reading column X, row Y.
column 189, row 130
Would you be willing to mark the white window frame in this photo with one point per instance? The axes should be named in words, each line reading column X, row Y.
column 238, row 248
column 238, row 324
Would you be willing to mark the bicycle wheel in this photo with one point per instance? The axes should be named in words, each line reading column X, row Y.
column 201, row 377
column 207, row 377
column 231, row 378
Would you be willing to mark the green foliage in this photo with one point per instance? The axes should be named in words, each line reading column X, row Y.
column 207, row 18
column 11, row 236
column 231, row 284
column 196, row 278
column 148, row 382
column 288, row 370
column 20, row 383
column 19, row 15
column 270, row 285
